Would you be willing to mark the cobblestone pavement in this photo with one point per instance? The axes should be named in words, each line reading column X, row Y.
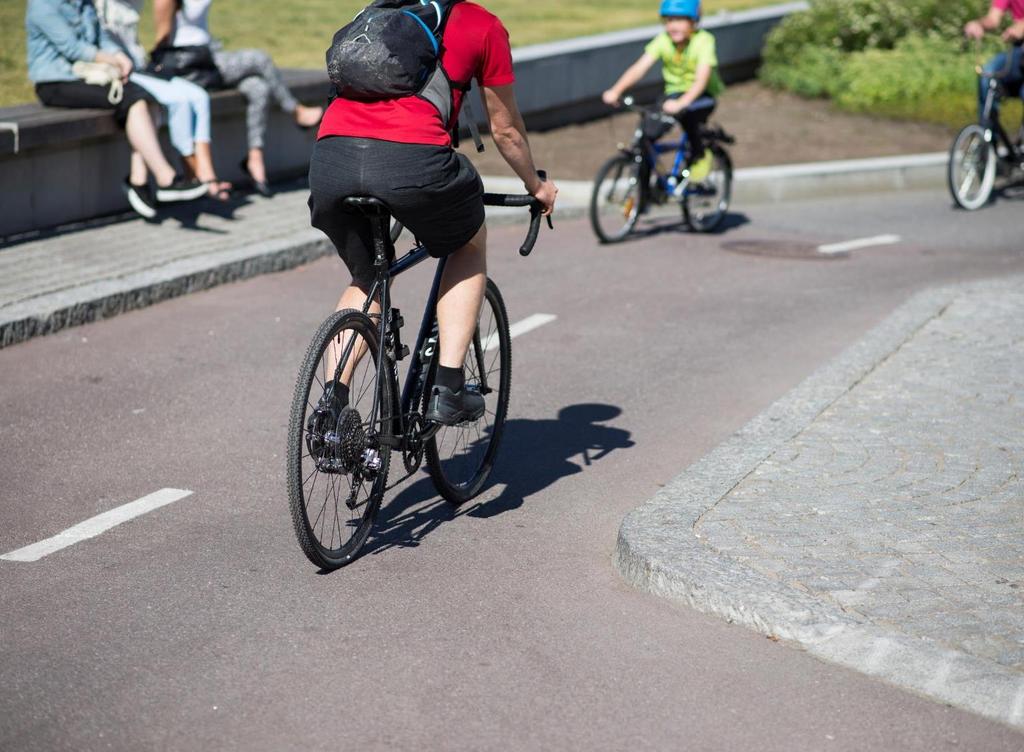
column 903, row 502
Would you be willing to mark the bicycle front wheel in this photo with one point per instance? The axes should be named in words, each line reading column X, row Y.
column 706, row 203
column 460, row 458
column 972, row 168
column 617, row 199
column 337, row 463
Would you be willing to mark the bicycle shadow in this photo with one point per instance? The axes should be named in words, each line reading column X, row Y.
column 534, row 455
column 665, row 225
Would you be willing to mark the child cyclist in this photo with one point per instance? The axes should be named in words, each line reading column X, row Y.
column 690, row 69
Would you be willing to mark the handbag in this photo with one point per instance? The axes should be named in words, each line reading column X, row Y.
column 101, row 74
column 193, row 63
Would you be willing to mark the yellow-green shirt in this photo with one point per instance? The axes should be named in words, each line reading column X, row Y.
column 679, row 67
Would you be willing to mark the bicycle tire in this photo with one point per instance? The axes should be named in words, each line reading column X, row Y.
column 459, row 476
column 304, row 470
column 606, row 204
column 971, row 144
column 720, row 178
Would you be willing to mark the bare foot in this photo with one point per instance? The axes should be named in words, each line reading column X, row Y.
column 307, row 117
column 257, row 169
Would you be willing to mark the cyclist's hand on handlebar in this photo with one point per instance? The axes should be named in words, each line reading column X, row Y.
column 1015, row 33
column 546, row 192
column 611, row 98
column 974, row 30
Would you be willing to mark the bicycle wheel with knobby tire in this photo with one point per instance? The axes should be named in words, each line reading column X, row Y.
column 617, row 199
column 460, row 458
column 706, row 203
column 972, row 168
column 337, row 466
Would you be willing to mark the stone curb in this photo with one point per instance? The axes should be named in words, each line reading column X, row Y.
column 51, row 313
column 658, row 552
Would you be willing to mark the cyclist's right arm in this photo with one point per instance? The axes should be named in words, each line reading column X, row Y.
column 629, row 79
column 509, row 134
column 989, row 22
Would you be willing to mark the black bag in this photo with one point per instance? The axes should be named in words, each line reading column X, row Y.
column 392, row 49
column 193, row 63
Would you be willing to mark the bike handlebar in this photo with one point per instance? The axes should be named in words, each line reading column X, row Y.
column 536, row 215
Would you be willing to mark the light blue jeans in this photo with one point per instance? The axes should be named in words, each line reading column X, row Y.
column 188, row 109
column 1011, row 81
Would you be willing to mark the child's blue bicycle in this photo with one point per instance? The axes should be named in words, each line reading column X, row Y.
column 629, row 183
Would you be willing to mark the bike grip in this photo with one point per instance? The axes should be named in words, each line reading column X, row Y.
column 501, row 199
column 536, row 214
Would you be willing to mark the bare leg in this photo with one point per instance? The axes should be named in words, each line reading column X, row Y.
column 458, row 304
column 257, row 168
column 137, row 174
column 142, row 136
column 307, row 117
column 352, row 297
column 201, row 166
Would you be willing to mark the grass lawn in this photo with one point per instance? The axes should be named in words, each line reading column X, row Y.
column 297, row 32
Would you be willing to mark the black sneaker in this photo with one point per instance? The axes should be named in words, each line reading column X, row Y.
column 450, row 408
column 324, row 418
column 140, row 198
column 182, row 189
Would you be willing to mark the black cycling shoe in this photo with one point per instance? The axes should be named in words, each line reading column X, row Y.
column 450, row 408
column 324, row 418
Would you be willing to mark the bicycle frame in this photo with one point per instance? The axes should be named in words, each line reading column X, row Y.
column 994, row 132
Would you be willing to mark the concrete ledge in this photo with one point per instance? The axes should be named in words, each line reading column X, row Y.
column 657, row 550
column 82, row 305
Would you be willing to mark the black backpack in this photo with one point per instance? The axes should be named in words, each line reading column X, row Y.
column 392, row 49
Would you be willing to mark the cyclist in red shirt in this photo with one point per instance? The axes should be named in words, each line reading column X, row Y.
column 1010, row 62
column 400, row 151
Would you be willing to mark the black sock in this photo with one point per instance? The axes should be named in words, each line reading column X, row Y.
column 340, row 391
column 452, row 378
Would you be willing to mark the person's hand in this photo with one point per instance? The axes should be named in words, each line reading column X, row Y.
column 974, row 30
column 673, row 106
column 545, row 192
column 610, row 98
column 124, row 63
column 1014, row 34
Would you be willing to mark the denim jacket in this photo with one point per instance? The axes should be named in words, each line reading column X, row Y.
column 59, row 33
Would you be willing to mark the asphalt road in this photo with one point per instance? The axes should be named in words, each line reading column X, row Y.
column 500, row 626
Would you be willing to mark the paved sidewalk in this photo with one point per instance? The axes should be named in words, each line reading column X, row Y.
column 875, row 514
column 98, row 270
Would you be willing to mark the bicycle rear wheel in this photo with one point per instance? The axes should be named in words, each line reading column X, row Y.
column 337, row 465
column 460, row 458
column 706, row 203
column 617, row 199
column 972, row 168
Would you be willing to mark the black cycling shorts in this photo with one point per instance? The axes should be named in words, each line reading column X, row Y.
column 432, row 190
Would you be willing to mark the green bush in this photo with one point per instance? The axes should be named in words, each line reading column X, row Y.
column 903, row 59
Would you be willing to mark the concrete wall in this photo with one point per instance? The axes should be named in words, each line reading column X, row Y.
column 69, row 165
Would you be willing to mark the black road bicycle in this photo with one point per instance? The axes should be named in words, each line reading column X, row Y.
column 629, row 183
column 339, row 453
column 982, row 152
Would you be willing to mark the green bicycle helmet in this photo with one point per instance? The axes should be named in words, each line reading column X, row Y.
column 680, row 8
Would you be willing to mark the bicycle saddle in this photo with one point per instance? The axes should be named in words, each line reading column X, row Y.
column 366, row 205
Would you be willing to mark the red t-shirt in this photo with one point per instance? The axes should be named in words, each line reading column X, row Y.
column 1016, row 7
column 475, row 46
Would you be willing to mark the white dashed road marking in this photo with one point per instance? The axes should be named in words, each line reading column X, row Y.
column 97, row 525
column 854, row 245
column 528, row 324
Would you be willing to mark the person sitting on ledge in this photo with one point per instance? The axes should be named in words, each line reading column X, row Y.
column 184, row 23
column 61, row 33
column 188, row 104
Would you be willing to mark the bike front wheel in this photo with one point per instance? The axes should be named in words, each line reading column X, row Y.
column 972, row 168
column 337, row 462
column 460, row 458
column 617, row 200
column 705, row 204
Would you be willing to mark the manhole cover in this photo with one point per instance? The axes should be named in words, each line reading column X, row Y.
column 779, row 249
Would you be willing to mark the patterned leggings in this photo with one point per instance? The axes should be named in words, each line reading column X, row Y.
column 256, row 76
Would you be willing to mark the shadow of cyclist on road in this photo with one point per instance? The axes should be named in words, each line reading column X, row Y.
column 534, row 454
